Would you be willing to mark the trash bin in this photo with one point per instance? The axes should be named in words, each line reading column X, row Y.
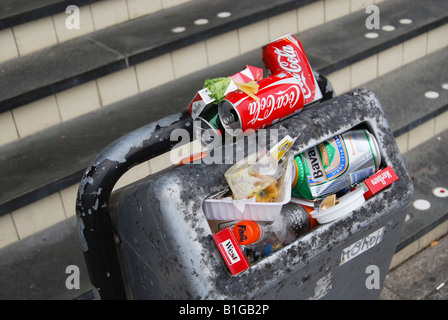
column 151, row 240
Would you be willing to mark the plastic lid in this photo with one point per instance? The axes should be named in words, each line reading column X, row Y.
column 247, row 232
column 347, row 203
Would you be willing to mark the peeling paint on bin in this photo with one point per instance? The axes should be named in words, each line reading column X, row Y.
column 94, row 225
column 135, row 140
column 168, row 252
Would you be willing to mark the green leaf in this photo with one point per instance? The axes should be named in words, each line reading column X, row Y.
column 217, row 87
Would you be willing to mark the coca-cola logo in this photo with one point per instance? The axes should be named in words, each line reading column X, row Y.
column 290, row 62
column 263, row 109
column 288, row 59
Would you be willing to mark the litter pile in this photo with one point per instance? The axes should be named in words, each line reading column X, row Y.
column 325, row 182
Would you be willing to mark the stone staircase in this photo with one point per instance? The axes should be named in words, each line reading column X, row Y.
column 67, row 93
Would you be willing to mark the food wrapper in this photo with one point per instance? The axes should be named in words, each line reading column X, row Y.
column 259, row 186
column 231, row 251
column 222, row 206
column 259, row 174
column 250, row 176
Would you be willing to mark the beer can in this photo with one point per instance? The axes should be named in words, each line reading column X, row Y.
column 286, row 54
column 278, row 96
column 335, row 164
column 207, row 127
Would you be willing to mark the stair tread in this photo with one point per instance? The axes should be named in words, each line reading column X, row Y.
column 15, row 12
column 38, row 75
column 150, row 36
column 335, row 50
column 402, row 92
column 125, row 44
column 133, row 41
column 426, row 165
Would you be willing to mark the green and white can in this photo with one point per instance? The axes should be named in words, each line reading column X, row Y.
column 207, row 128
column 335, row 164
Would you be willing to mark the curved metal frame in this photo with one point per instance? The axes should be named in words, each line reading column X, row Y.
column 94, row 223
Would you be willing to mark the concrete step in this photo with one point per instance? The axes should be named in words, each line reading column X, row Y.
column 415, row 99
column 27, row 26
column 427, row 218
column 95, row 70
column 145, row 50
column 17, row 12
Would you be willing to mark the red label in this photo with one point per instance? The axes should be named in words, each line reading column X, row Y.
column 279, row 96
column 249, row 73
column 199, row 102
column 286, row 54
column 231, row 251
column 379, row 181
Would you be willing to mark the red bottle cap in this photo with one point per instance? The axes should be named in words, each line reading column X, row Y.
column 247, row 232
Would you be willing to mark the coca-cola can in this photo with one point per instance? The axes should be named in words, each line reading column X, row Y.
column 286, row 54
column 278, row 97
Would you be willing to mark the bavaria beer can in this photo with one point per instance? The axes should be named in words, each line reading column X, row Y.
column 278, row 96
column 286, row 54
column 335, row 164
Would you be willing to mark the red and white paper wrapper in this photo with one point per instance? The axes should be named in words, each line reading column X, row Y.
column 231, row 251
column 379, row 181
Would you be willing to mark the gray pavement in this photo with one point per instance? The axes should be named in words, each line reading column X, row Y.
column 424, row 276
column 35, row 267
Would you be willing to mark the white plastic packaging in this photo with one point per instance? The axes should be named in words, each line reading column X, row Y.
column 347, row 203
column 249, row 209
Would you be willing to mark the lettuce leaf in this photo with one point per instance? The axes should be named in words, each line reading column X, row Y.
column 217, row 87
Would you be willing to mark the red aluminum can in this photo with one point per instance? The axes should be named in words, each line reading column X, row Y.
column 279, row 96
column 286, row 54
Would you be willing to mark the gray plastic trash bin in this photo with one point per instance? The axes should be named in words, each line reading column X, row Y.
column 165, row 245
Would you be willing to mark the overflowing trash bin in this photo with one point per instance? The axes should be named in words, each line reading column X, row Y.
column 306, row 203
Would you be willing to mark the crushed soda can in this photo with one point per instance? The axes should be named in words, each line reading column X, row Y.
column 286, row 54
column 278, row 97
column 335, row 164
